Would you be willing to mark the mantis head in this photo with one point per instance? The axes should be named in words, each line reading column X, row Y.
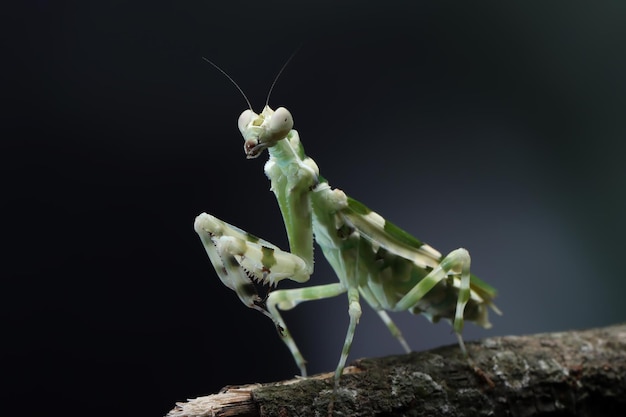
column 263, row 130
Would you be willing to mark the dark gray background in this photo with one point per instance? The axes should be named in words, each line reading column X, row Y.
column 496, row 127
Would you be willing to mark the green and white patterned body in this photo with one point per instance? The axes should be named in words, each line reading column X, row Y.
column 374, row 260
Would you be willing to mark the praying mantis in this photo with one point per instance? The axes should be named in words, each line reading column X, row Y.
column 374, row 259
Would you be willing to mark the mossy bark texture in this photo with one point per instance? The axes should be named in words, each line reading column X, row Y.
column 576, row 373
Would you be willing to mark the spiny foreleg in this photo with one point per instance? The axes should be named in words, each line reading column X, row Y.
column 241, row 259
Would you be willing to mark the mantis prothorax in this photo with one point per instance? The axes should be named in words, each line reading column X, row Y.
column 374, row 259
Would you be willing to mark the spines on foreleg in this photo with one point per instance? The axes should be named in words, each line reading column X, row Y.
column 240, row 259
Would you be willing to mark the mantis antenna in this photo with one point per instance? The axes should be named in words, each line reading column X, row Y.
column 267, row 101
column 269, row 93
column 233, row 81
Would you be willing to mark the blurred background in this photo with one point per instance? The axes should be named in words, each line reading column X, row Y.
column 496, row 127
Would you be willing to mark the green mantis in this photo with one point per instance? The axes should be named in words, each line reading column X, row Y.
column 374, row 260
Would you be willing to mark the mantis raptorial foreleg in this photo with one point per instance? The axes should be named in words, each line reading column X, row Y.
column 240, row 258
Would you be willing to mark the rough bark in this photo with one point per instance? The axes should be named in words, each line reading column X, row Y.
column 577, row 373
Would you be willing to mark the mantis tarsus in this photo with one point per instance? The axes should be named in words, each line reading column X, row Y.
column 374, row 260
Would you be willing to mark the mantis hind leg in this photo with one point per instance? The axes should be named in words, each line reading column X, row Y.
column 393, row 329
column 456, row 264
column 391, row 326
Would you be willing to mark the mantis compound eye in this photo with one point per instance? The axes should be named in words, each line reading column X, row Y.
column 245, row 119
column 280, row 124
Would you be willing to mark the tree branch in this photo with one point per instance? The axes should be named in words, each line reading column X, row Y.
column 577, row 373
